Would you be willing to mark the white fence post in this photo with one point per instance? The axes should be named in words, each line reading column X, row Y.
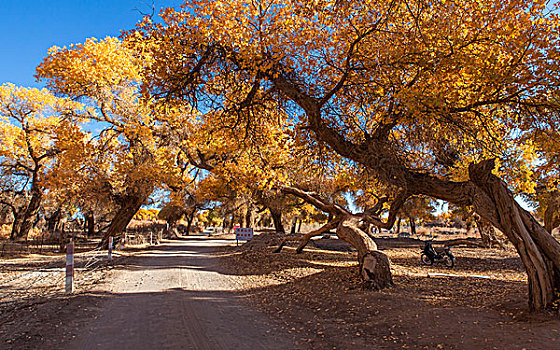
column 69, row 286
column 110, row 248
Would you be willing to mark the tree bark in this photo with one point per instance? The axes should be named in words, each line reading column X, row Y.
column 53, row 221
column 539, row 252
column 171, row 229
column 190, row 219
column 62, row 236
column 36, row 192
column 30, row 214
column 293, row 228
column 228, row 224
column 277, row 220
column 89, row 224
column 250, row 216
column 374, row 266
column 15, row 225
column 122, row 218
column 487, row 233
column 467, row 242
column 551, row 218
column 234, row 220
column 412, row 225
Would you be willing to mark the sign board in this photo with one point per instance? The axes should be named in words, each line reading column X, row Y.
column 243, row 234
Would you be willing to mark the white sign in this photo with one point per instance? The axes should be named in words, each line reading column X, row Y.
column 243, row 234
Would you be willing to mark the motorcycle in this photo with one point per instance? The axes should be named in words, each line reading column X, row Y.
column 429, row 255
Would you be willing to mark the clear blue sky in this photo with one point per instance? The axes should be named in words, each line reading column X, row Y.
column 29, row 27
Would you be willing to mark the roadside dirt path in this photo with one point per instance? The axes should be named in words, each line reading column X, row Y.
column 175, row 297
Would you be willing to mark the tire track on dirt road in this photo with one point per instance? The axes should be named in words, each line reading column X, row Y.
column 174, row 297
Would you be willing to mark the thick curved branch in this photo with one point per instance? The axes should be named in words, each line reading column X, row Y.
column 8, row 204
column 311, row 198
column 202, row 164
column 396, row 206
column 189, row 78
column 307, row 237
column 377, row 208
column 248, row 100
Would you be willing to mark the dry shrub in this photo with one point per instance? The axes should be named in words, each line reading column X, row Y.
column 423, row 231
column 35, row 233
column 5, row 231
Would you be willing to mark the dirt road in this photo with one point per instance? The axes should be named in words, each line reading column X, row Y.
column 175, row 297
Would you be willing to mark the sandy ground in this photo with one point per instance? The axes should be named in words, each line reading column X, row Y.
column 204, row 293
column 35, row 312
column 317, row 295
column 175, row 297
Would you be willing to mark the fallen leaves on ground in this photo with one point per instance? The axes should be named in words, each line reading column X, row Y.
column 318, row 296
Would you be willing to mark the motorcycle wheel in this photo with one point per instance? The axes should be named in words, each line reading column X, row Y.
column 426, row 260
column 449, row 260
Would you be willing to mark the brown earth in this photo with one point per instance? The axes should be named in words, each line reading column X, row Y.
column 318, row 297
column 179, row 295
column 173, row 296
column 35, row 313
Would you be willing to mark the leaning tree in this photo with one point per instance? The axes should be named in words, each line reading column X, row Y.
column 427, row 95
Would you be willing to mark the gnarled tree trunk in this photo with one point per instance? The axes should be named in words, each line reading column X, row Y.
column 228, row 224
column 250, row 216
column 375, row 267
column 16, row 225
column 122, row 218
column 538, row 250
column 487, row 233
column 412, row 223
column 30, row 212
column 54, row 220
column 294, row 225
column 277, row 220
column 171, row 230
column 89, row 219
column 190, row 219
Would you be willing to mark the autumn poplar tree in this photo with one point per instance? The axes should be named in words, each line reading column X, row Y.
column 424, row 94
column 36, row 127
column 107, row 75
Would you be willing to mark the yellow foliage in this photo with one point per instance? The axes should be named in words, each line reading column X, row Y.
column 460, row 79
